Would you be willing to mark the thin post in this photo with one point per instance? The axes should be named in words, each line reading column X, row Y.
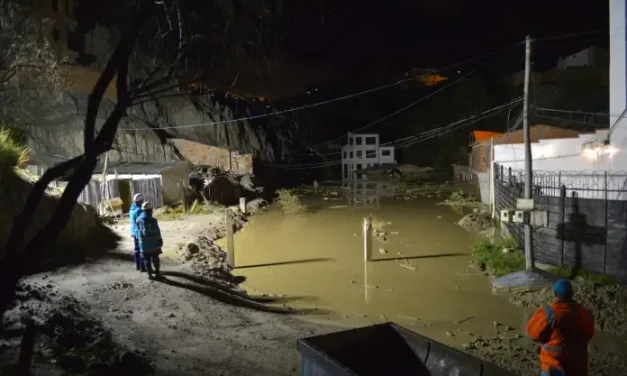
column 562, row 219
column 315, row 186
column 242, row 204
column 230, row 247
column 492, row 206
column 528, row 165
column 367, row 252
column 367, row 239
column 606, row 220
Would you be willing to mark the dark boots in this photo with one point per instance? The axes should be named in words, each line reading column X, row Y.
column 151, row 262
column 140, row 265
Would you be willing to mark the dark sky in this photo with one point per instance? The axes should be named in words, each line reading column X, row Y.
column 365, row 36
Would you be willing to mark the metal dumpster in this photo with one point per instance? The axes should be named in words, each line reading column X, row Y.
column 386, row 349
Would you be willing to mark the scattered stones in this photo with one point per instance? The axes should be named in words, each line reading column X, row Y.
column 383, row 251
column 476, row 222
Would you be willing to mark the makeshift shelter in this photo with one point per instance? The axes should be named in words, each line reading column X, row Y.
column 160, row 183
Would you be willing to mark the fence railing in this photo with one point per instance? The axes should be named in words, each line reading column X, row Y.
column 587, row 217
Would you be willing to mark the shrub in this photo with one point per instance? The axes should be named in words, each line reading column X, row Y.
column 289, row 202
column 499, row 263
column 12, row 152
column 567, row 272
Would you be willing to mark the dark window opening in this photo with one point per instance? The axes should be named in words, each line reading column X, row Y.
column 371, row 140
column 55, row 5
column 358, row 153
column 358, row 167
column 350, row 140
column 385, row 153
column 351, row 154
column 371, row 153
column 358, row 140
column 56, row 34
column 76, row 42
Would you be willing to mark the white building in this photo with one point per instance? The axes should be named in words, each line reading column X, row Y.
column 591, row 56
column 364, row 151
column 618, row 83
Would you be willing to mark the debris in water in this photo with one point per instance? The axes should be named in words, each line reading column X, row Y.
column 439, row 217
column 407, row 265
column 383, row 251
column 450, row 334
column 394, row 232
column 495, row 324
column 464, row 320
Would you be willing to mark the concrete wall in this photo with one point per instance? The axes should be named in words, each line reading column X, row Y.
column 361, row 154
column 618, row 79
column 586, row 231
column 582, row 58
column 173, row 181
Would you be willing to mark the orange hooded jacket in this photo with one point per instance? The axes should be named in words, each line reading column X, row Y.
column 563, row 329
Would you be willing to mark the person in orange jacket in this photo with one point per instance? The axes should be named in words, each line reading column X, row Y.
column 563, row 329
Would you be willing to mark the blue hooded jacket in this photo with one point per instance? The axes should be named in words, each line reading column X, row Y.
column 148, row 233
column 133, row 214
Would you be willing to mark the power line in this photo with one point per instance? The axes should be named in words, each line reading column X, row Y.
column 564, row 36
column 276, row 113
column 571, row 121
column 424, row 136
column 577, row 112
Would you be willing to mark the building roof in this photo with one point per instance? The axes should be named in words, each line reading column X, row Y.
column 537, row 132
column 44, row 159
column 137, row 168
column 196, row 153
column 484, row 135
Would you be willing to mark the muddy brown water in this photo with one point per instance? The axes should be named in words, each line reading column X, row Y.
column 421, row 280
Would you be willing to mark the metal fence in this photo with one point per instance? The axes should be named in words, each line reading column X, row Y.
column 587, row 217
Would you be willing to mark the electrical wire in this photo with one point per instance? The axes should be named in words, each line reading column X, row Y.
column 411, row 140
column 563, row 36
column 281, row 112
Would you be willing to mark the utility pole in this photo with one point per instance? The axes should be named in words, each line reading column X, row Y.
column 527, row 140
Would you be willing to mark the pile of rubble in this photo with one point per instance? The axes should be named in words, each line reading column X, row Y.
column 208, row 259
column 68, row 339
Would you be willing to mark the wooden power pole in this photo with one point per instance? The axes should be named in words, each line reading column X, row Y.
column 528, row 165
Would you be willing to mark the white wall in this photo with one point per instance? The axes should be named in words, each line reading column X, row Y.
column 618, row 80
column 582, row 58
column 360, row 155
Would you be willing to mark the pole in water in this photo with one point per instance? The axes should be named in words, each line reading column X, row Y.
column 242, row 204
column 367, row 239
column 230, row 247
column 315, row 186
column 367, row 252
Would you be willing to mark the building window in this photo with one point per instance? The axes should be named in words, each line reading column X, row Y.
column 385, row 152
column 359, row 166
column 351, row 154
column 76, row 42
column 350, row 140
column 371, row 153
column 358, row 140
column 56, row 34
column 371, row 140
column 55, row 5
column 345, row 154
column 358, row 153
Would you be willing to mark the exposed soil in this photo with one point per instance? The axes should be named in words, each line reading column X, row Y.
column 608, row 303
column 187, row 324
column 518, row 354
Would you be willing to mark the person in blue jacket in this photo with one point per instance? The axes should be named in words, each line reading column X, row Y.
column 133, row 214
column 150, row 241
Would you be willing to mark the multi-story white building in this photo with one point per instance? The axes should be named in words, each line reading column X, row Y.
column 364, row 151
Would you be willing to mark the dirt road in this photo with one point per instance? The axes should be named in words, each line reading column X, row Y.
column 182, row 323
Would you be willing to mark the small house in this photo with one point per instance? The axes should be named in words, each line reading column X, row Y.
column 161, row 183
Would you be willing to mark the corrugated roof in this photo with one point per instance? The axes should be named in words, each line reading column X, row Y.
column 45, row 159
column 137, row 168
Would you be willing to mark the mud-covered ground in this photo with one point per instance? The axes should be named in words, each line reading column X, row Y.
column 188, row 324
column 607, row 302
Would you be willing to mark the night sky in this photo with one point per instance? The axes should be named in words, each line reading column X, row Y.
column 359, row 37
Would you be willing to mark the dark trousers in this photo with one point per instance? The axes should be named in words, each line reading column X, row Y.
column 150, row 262
column 139, row 259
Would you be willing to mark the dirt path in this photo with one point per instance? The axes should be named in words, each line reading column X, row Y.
column 182, row 323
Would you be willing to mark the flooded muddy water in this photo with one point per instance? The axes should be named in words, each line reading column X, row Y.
column 418, row 278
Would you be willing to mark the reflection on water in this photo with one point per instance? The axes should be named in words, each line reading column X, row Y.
column 419, row 275
column 367, row 194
